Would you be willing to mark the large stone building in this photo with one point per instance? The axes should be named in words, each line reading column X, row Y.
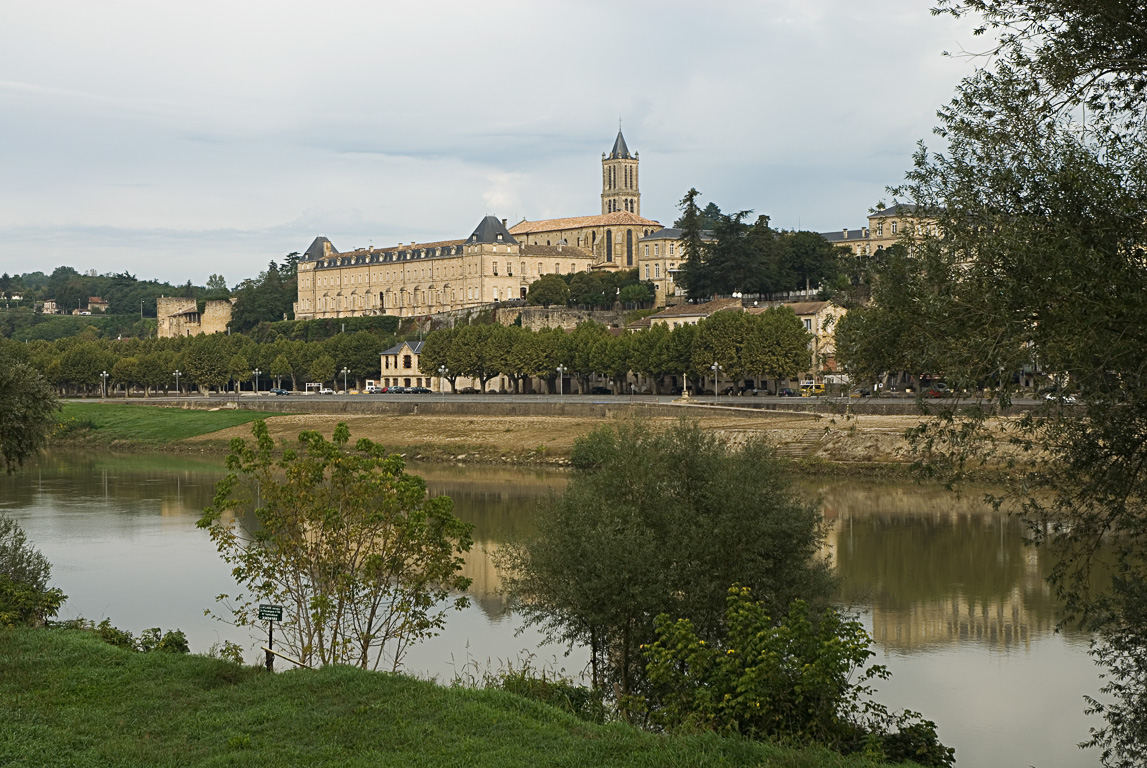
column 886, row 227
column 493, row 264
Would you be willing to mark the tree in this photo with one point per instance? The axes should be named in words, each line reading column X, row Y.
column 361, row 557
column 1029, row 256
column 662, row 521
column 217, row 284
column 279, row 368
column 27, row 411
column 548, row 290
column 322, row 369
column 25, row 598
column 206, row 362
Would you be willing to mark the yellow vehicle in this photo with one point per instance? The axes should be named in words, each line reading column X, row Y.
column 812, row 390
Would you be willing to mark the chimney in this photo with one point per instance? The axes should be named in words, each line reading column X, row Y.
column 503, row 223
column 846, row 233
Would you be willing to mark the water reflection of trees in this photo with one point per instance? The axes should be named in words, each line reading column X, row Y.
column 937, row 568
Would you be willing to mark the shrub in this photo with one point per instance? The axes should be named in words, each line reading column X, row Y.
column 25, row 598
column 790, row 681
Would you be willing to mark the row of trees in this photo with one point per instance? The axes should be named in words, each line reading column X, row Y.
column 771, row 345
column 725, row 254
column 599, row 288
column 215, row 362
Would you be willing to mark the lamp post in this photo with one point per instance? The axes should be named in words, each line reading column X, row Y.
column 104, row 375
column 442, row 371
column 177, row 375
column 716, row 374
column 256, row 372
column 561, row 384
column 344, row 372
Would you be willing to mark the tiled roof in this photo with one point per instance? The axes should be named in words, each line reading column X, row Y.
column 798, row 307
column 524, row 227
column 698, row 310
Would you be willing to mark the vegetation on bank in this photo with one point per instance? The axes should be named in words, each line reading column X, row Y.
column 107, row 422
column 67, row 698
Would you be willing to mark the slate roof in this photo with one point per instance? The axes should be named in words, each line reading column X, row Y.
column 415, row 347
column 316, row 249
column 838, row 236
column 491, row 230
column 524, row 227
column 900, row 209
column 619, row 151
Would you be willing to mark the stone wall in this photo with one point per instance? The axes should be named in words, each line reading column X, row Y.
column 534, row 318
column 179, row 316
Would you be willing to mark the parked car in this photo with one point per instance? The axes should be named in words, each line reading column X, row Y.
column 417, row 390
column 467, row 391
column 786, row 392
column 812, row 390
column 396, row 390
column 373, row 390
column 1060, row 397
column 326, row 391
column 279, row 391
column 600, row 391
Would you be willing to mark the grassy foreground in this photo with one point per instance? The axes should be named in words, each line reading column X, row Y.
column 68, row 699
column 107, row 422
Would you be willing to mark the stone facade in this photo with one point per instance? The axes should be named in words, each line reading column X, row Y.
column 418, row 279
column 886, row 227
column 181, row 317
column 415, row 279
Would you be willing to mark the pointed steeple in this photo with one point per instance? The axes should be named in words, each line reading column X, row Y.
column 619, row 151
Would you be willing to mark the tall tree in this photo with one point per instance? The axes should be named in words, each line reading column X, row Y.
column 27, row 410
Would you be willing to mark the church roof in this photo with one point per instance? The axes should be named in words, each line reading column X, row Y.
column 620, row 151
column 524, row 227
column 316, row 249
column 491, row 230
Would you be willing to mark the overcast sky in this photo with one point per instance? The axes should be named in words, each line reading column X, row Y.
column 177, row 140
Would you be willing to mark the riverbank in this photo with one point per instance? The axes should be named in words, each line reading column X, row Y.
column 67, row 698
column 863, row 444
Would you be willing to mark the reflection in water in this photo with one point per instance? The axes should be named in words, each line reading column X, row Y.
column 957, row 603
column 937, row 568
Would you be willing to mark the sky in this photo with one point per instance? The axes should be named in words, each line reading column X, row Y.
column 179, row 140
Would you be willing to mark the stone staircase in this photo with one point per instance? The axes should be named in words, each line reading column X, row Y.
column 803, row 446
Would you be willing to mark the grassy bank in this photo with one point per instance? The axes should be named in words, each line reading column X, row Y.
column 68, row 699
column 141, row 425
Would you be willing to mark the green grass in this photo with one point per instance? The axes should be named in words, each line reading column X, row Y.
column 147, row 424
column 68, row 699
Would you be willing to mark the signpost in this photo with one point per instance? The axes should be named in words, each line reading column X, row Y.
column 270, row 614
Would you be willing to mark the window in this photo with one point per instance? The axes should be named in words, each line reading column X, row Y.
column 880, row 229
column 573, row 268
column 808, row 324
column 657, row 271
column 671, row 250
column 894, row 227
column 646, row 271
column 495, row 265
column 557, row 269
column 509, row 269
column 524, row 269
column 539, row 267
column 656, row 250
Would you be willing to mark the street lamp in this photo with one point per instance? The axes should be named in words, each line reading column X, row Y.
column 561, row 375
column 177, row 375
column 345, row 371
column 716, row 375
column 256, row 372
column 442, row 371
column 105, row 378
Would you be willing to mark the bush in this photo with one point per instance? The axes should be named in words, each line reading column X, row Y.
column 25, row 598
column 788, row 681
column 585, row 703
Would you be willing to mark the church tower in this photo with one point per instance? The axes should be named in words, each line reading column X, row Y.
column 619, row 191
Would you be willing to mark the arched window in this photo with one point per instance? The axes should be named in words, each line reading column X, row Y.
column 629, row 247
column 608, row 245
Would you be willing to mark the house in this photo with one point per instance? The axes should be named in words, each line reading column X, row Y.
column 96, row 304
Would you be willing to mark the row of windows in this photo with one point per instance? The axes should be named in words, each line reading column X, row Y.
column 391, row 276
column 628, row 178
column 657, row 271
column 657, row 249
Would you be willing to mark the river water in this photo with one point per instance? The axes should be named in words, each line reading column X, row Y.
column 955, row 601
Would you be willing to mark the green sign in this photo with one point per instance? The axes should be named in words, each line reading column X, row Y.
column 270, row 613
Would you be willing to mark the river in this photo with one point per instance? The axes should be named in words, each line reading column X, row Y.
column 956, row 602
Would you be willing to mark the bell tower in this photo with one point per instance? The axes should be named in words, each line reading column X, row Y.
column 619, row 190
